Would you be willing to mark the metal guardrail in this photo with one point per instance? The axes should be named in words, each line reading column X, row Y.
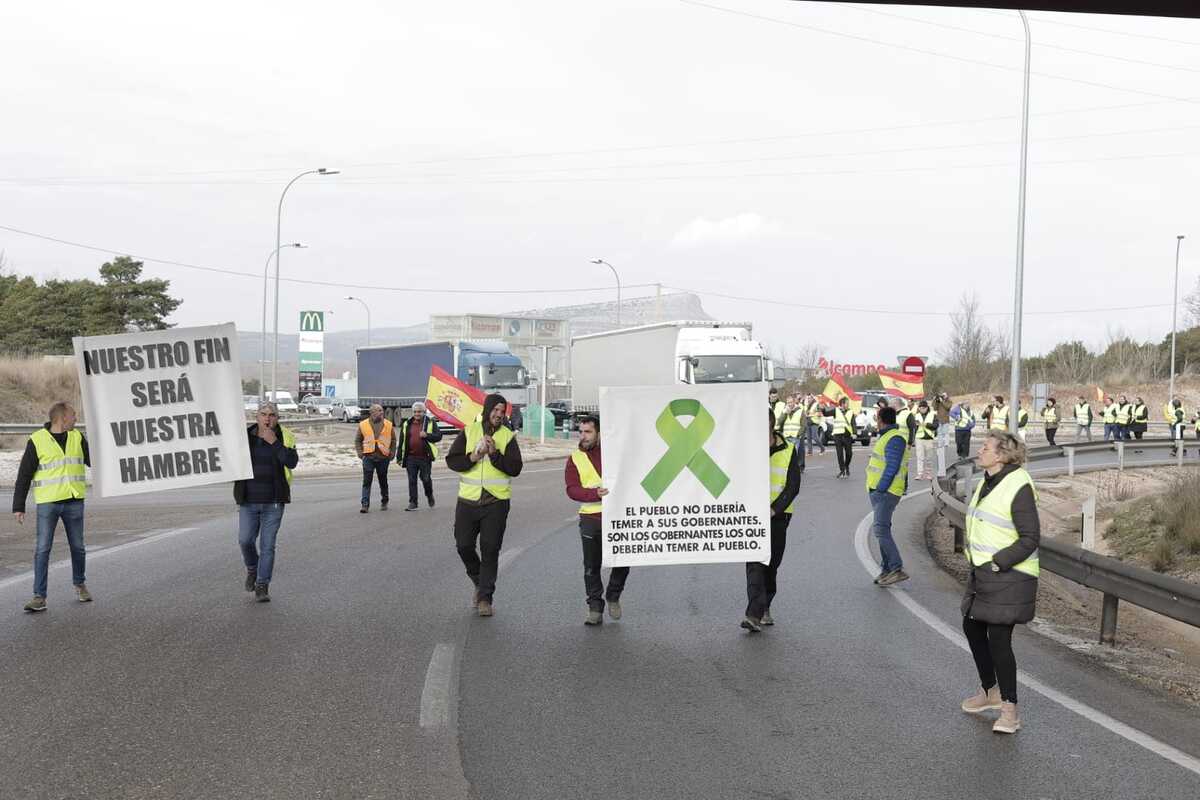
column 1162, row 594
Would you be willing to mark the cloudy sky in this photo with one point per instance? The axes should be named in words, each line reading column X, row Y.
column 824, row 163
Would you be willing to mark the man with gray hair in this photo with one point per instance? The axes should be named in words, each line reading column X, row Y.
column 419, row 435
column 375, row 443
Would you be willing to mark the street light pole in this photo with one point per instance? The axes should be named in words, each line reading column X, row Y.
column 618, row 277
column 278, row 247
column 262, row 361
column 368, row 308
column 1174, row 316
column 1019, row 287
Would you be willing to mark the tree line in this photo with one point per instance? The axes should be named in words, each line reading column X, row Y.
column 41, row 318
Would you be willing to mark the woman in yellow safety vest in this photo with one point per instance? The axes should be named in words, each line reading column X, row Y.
column 1001, row 546
column 1050, row 419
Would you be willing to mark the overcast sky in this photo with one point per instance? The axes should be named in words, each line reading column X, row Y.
column 830, row 155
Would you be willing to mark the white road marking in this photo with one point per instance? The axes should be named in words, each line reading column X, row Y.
column 92, row 555
column 957, row 638
column 435, row 696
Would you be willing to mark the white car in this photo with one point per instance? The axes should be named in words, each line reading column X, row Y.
column 316, row 404
column 283, row 401
column 345, row 409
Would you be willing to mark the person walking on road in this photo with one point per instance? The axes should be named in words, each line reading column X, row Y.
column 964, row 423
column 1110, row 419
column 843, row 436
column 887, row 480
column 487, row 457
column 419, row 435
column 1124, row 417
column 787, row 467
column 1083, row 418
column 816, row 425
column 584, row 486
column 54, row 465
column 375, row 442
column 261, row 499
column 795, row 423
column 1050, row 420
column 1001, row 546
column 927, row 423
column 1177, row 421
column 1140, row 418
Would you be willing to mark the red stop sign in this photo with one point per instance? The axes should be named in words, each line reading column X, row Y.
column 914, row 366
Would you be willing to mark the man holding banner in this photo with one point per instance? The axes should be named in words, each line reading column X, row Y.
column 261, row 499
column 584, row 486
column 487, row 456
column 787, row 467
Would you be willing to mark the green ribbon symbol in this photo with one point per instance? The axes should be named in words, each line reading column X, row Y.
column 685, row 450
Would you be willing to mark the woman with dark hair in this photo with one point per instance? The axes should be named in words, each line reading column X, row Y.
column 1001, row 546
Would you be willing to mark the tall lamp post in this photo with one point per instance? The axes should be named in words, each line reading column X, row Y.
column 1019, row 287
column 368, row 308
column 262, row 361
column 1174, row 317
column 278, row 247
column 618, row 277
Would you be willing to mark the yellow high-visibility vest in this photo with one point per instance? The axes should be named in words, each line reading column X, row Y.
column 1050, row 416
column 1110, row 414
column 794, row 423
column 60, row 473
column 925, row 425
column 483, row 474
column 588, row 479
column 779, row 470
column 370, row 441
column 1124, row 412
column 999, row 420
column 1082, row 414
column 965, row 418
column 879, row 460
column 842, row 423
column 990, row 526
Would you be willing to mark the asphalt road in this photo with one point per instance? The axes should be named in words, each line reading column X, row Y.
column 368, row 677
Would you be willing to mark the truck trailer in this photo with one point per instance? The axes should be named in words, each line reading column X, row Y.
column 666, row 353
column 396, row 376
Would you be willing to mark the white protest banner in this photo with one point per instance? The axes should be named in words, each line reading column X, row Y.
column 163, row 409
column 688, row 474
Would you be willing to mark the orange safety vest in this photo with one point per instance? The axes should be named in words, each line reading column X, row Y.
column 384, row 442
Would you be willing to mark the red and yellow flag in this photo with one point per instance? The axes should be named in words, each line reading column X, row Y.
column 836, row 389
column 451, row 400
column 898, row 384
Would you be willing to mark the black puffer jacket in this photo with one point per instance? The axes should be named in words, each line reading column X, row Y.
column 1006, row 597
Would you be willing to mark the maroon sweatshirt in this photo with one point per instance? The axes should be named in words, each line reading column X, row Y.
column 575, row 489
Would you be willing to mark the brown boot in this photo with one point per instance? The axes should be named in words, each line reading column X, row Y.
column 485, row 608
column 1009, row 722
column 982, row 701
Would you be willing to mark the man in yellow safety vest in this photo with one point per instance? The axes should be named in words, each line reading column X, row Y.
column 998, row 415
column 54, row 466
column 375, row 444
column 1110, row 419
column 585, row 486
column 487, row 457
column 927, row 423
column 816, row 424
column 1083, row 418
column 887, row 480
column 787, row 467
column 795, row 421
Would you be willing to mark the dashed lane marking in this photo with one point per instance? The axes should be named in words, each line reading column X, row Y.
column 956, row 638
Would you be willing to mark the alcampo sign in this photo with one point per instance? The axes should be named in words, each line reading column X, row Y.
column 827, row 367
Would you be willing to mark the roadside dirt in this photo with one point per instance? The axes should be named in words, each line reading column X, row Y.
column 1151, row 649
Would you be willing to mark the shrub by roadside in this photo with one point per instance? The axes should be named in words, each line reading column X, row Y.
column 1163, row 531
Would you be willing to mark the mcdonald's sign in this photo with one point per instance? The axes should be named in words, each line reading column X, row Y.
column 312, row 321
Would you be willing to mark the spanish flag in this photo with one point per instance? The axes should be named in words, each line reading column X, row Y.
column 836, row 389
column 898, row 384
column 451, row 400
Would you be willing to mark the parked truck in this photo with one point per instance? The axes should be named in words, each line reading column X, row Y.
column 680, row 352
column 396, row 376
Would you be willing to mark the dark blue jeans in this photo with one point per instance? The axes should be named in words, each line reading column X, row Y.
column 371, row 468
column 48, row 515
column 816, row 436
column 884, row 504
column 418, row 469
column 259, row 521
